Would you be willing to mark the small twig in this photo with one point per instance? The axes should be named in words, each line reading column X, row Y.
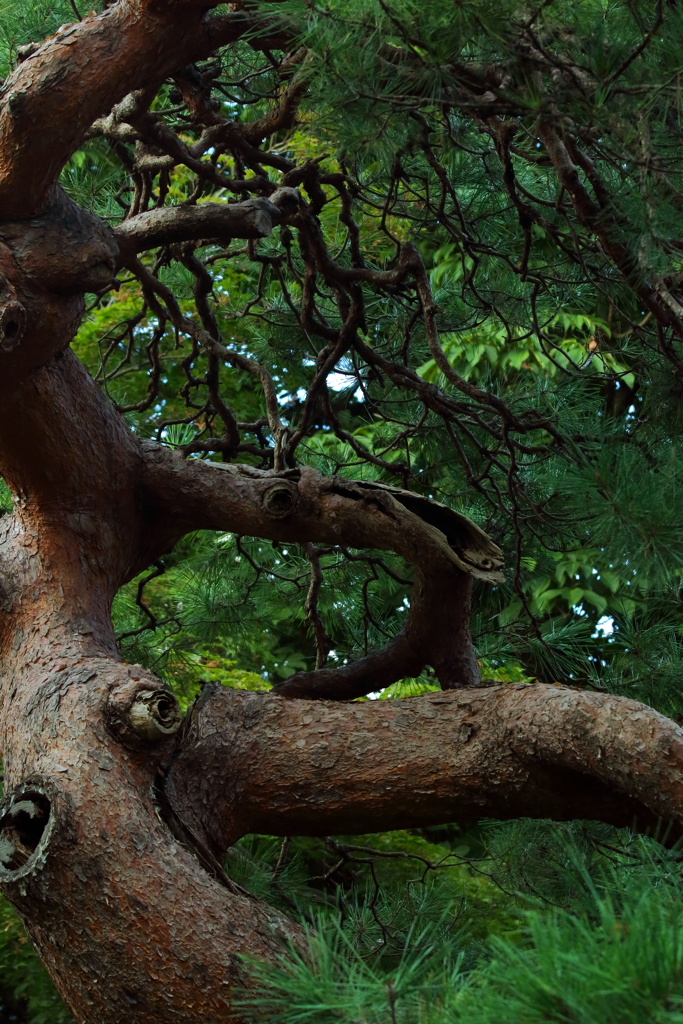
column 323, row 643
column 282, row 860
column 153, row 622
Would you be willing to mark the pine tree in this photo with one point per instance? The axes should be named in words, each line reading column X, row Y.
column 378, row 298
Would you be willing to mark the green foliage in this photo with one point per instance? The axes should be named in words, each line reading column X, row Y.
column 333, row 980
column 23, row 22
column 531, row 310
column 590, row 933
column 25, row 987
column 6, row 502
column 528, row 922
column 589, row 523
column 620, row 958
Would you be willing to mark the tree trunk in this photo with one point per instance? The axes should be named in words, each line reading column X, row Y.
column 116, row 821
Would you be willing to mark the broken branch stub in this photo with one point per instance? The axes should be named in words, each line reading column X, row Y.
column 12, row 317
column 143, row 713
column 475, row 552
column 21, row 829
column 155, row 715
column 281, row 500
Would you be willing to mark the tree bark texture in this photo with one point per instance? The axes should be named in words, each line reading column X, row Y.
column 115, row 822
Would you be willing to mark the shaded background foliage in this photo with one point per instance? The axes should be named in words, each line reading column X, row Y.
column 554, row 423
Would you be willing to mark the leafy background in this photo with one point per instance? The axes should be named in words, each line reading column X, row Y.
column 479, row 922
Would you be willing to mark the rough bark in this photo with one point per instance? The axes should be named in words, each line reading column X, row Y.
column 254, row 218
column 115, row 823
column 255, row 763
column 56, row 94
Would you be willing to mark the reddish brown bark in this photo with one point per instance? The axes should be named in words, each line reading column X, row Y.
column 55, row 95
column 537, row 751
column 114, row 826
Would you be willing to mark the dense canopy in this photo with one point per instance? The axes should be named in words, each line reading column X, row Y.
column 527, row 376
column 382, row 302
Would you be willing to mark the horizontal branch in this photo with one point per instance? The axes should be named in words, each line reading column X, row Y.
column 253, row 218
column 301, row 505
column 256, row 763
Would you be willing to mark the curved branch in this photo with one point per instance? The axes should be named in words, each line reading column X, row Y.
column 437, row 633
column 303, row 506
column 255, row 763
column 54, row 96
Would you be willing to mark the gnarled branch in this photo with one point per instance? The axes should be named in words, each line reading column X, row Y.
column 303, row 506
column 253, row 218
column 55, row 94
column 254, row 763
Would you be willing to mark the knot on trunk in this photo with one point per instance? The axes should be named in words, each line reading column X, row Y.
column 281, row 499
column 143, row 712
column 12, row 317
column 155, row 715
column 64, row 249
column 26, row 824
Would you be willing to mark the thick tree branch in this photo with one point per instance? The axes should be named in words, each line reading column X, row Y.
column 54, row 96
column 303, row 506
column 220, row 222
column 436, row 633
column 255, row 763
column 186, row 495
column 138, row 815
